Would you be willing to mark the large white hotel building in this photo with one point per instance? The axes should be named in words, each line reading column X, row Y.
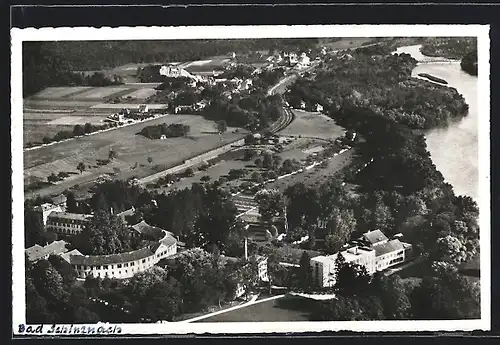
column 373, row 250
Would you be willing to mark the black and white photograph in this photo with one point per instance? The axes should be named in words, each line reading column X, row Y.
column 250, row 179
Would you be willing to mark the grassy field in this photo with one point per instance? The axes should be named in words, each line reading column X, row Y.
column 133, row 151
column 277, row 310
column 307, row 124
column 344, row 43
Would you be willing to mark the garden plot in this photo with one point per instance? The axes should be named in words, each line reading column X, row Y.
column 61, row 104
column 141, row 93
column 58, row 92
column 75, row 120
column 100, row 92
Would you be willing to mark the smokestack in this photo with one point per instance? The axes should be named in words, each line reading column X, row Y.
column 111, row 210
column 246, row 248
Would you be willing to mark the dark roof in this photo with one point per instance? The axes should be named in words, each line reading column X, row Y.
column 37, row 252
column 98, row 260
column 388, row 247
column 67, row 215
column 374, row 236
column 149, row 230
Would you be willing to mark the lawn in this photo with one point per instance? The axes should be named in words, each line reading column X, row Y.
column 308, row 124
column 133, row 151
column 277, row 310
column 316, row 175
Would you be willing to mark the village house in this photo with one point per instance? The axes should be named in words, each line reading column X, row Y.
column 142, row 108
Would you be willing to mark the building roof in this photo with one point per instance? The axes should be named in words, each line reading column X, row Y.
column 34, row 252
column 46, row 206
column 98, row 260
column 374, row 237
column 59, row 199
column 66, row 256
column 145, row 229
column 391, row 246
column 129, row 212
column 37, row 252
column 67, row 215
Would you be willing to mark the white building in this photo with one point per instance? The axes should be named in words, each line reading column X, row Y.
column 46, row 209
column 375, row 252
column 319, row 108
column 66, row 224
column 143, row 108
column 123, row 265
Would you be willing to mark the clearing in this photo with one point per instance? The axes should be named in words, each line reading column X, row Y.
column 313, row 125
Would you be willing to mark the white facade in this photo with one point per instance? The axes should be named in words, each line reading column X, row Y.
column 120, row 266
column 377, row 256
column 47, row 209
column 66, row 224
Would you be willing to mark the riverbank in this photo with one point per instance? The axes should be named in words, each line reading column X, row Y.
column 454, row 149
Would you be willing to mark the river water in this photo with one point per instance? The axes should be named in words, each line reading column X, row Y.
column 454, row 149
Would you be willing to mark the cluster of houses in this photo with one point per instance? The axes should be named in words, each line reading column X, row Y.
column 373, row 250
column 126, row 115
column 290, row 59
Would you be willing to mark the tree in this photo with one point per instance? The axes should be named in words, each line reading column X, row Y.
column 36, row 305
column 258, row 162
column 449, row 296
column 71, row 204
column 271, row 204
column 304, row 273
column 84, row 315
column 104, row 234
column 52, row 178
column 48, row 282
column 150, row 160
column 350, row 279
column 393, row 295
column 164, row 302
column 34, row 229
column 220, row 127
column 81, row 167
column 112, row 154
column 88, row 128
column 64, row 268
column 451, row 249
column 78, row 130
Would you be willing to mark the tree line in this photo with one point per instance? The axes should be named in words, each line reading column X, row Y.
column 173, row 130
column 382, row 83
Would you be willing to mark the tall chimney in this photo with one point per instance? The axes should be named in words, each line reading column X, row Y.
column 246, row 248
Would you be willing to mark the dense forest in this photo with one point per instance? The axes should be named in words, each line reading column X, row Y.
column 54, row 63
column 384, row 84
column 458, row 48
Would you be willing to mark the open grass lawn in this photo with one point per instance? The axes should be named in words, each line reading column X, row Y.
column 277, row 310
column 308, row 124
column 132, row 150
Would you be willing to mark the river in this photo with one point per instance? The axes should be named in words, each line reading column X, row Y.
column 454, row 149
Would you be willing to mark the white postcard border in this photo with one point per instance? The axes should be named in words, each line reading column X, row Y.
column 282, row 31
